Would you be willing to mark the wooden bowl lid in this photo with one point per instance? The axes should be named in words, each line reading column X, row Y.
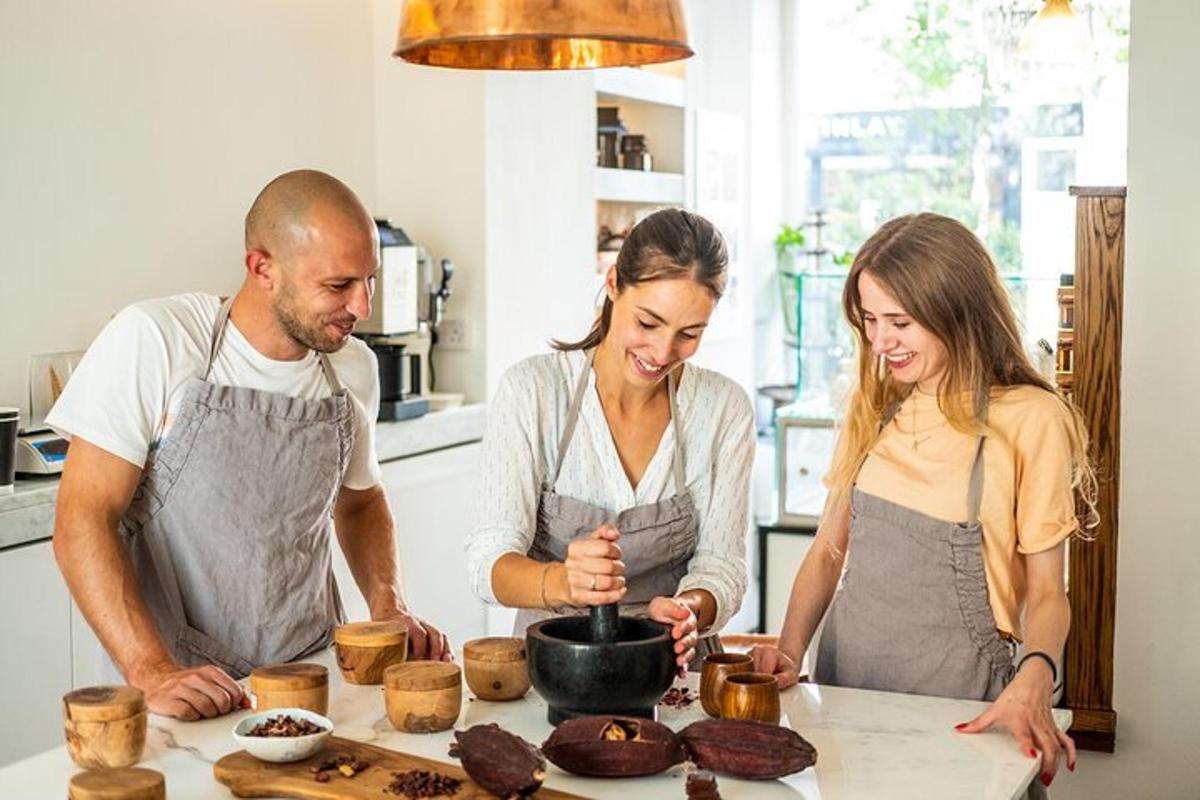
column 126, row 783
column 371, row 634
column 103, row 703
column 289, row 676
column 495, row 649
column 422, row 676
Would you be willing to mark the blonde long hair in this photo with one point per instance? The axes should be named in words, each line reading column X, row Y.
column 944, row 278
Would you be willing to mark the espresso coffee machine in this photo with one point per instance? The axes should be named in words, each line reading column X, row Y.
column 402, row 327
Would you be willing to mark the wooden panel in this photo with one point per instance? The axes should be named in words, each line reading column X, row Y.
column 246, row 776
column 1100, row 256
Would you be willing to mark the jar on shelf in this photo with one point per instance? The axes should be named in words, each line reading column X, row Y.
column 1066, row 301
column 1065, row 359
column 610, row 132
column 634, row 154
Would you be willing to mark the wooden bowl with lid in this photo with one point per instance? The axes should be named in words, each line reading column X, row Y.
column 496, row 668
column 298, row 685
column 105, row 726
column 366, row 649
column 423, row 696
column 126, row 783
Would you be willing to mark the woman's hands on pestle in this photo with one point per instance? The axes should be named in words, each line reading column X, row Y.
column 595, row 572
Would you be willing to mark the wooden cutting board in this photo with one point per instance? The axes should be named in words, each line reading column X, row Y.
column 246, row 776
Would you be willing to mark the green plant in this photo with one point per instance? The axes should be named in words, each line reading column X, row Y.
column 788, row 237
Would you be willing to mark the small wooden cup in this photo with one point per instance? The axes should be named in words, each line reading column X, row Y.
column 105, row 726
column 297, row 685
column 496, row 668
column 128, row 783
column 751, row 695
column 717, row 667
column 366, row 649
column 423, row 696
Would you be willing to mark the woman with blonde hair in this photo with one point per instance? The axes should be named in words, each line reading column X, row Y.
column 953, row 490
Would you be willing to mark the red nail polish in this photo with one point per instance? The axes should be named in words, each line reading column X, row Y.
column 1046, row 778
column 1032, row 753
column 960, row 726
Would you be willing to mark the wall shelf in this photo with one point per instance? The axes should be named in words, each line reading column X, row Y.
column 631, row 186
column 626, row 83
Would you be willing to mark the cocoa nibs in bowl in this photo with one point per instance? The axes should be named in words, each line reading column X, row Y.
column 679, row 698
column 285, row 726
column 422, row 783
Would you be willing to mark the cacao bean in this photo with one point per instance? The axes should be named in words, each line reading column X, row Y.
column 747, row 749
column 503, row 763
column 613, row 747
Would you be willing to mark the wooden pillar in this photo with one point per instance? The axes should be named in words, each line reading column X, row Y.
column 1096, row 389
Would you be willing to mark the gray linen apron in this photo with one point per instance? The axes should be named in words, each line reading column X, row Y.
column 229, row 529
column 657, row 539
column 912, row 614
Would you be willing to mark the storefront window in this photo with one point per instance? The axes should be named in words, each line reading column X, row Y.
column 923, row 105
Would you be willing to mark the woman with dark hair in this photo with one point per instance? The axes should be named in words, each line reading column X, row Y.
column 613, row 472
column 959, row 475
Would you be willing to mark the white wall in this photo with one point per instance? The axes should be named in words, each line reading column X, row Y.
column 541, row 221
column 1158, row 595
column 134, row 137
column 718, row 79
column 430, row 159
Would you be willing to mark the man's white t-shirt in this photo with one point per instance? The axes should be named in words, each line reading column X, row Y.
column 125, row 393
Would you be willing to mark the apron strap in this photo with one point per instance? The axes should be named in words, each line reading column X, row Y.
column 572, row 416
column 331, row 378
column 218, row 335
column 975, row 488
column 677, row 462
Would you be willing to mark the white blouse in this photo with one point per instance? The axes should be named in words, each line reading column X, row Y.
column 525, row 421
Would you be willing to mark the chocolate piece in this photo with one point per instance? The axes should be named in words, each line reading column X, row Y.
column 504, row 764
column 746, row 749
column 678, row 698
column 609, row 747
column 702, row 785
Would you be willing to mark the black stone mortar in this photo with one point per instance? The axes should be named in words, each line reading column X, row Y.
column 600, row 664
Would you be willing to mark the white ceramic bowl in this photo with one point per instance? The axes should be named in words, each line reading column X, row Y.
column 282, row 749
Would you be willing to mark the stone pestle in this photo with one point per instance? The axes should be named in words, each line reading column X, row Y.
column 605, row 623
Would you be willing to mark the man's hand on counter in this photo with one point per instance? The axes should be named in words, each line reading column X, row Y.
column 191, row 693
column 424, row 640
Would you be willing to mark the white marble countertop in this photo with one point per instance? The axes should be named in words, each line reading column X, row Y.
column 869, row 745
column 27, row 515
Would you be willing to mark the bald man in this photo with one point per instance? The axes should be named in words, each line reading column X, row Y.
column 215, row 447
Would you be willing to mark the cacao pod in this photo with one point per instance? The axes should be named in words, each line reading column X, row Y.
column 747, row 749
column 501, row 762
column 613, row 747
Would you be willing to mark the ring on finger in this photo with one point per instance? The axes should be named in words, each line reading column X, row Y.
column 593, row 583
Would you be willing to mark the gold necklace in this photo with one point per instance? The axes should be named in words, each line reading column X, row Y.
column 917, row 442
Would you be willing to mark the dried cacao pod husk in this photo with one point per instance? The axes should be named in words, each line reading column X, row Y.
column 747, row 749
column 613, row 747
column 501, row 762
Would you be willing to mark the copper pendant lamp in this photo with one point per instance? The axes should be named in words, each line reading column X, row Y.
column 541, row 34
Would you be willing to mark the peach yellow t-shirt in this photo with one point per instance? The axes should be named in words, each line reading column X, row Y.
column 1027, row 504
